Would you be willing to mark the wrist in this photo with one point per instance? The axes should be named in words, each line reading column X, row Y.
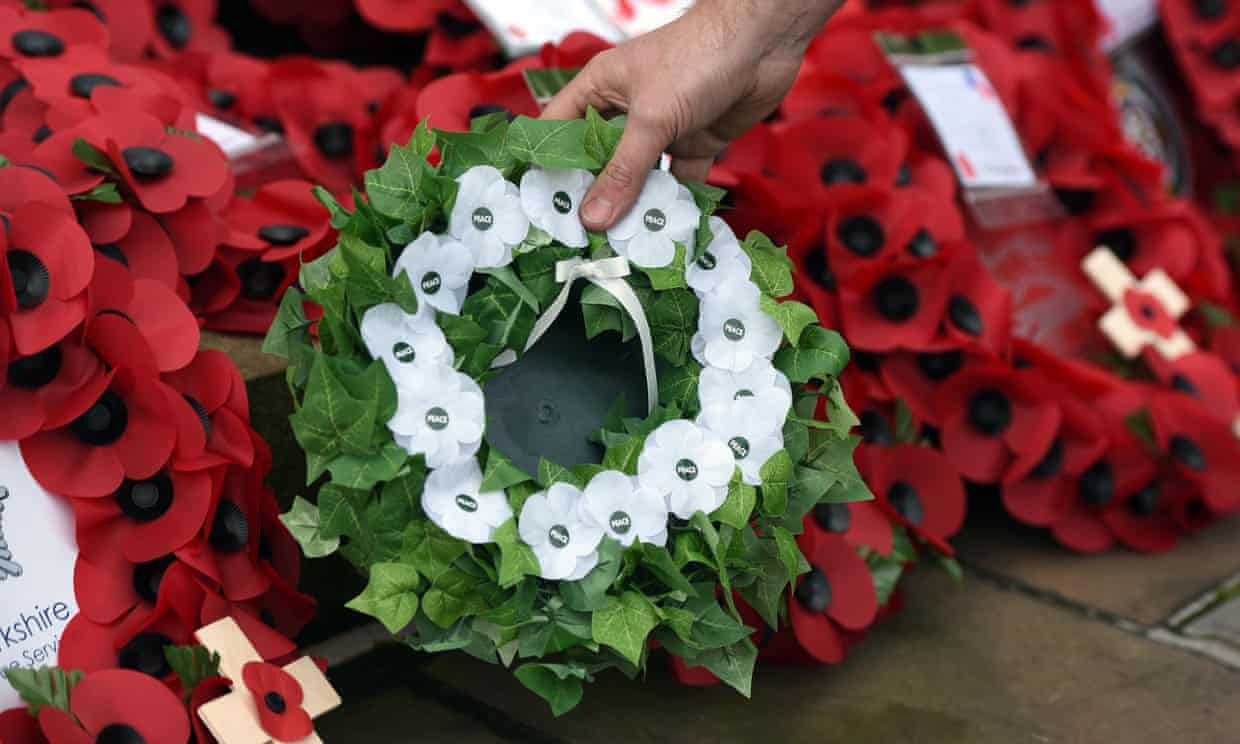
column 774, row 27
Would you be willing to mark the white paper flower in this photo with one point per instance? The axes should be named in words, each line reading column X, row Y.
column 439, row 413
column 453, row 500
column 735, row 329
column 760, row 381
column 661, row 218
column 625, row 510
column 439, row 269
column 405, row 343
column 723, row 261
column 565, row 544
column 488, row 217
column 752, row 434
column 552, row 200
column 688, row 466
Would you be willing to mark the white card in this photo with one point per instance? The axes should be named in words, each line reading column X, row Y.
column 524, row 26
column 38, row 551
column 1127, row 19
column 236, row 143
column 636, row 17
column 972, row 124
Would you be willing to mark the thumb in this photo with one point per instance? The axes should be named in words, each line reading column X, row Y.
column 618, row 186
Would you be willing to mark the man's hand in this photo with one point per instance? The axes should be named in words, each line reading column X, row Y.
column 689, row 89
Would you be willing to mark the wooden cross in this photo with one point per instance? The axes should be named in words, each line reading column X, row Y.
column 1146, row 312
column 233, row 719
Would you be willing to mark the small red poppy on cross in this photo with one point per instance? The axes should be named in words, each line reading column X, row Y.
column 1145, row 313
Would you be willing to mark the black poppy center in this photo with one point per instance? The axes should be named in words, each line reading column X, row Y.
column 230, row 532
column 875, row 429
column 835, row 518
column 923, row 245
column 221, row 99
column 104, row 422
column 200, row 411
column 119, row 733
column 31, row 279
column 486, row 109
column 1210, row 10
column 275, row 703
column 260, row 280
column 1034, row 43
column 149, row 576
column 145, row 654
column 174, row 25
column 334, row 139
column 37, row 370
column 1096, row 486
column 35, row 43
column 1121, row 241
column 146, row 500
column 1144, row 502
column 842, row 170
column 938, row 366
column 862, row 235
column 819, row 270
column 84, row 84
column 114, row 252
column 896, row 299
column 269, row 124
column 867, row 361
column 1184, row 385
column 1187, row 452
column 1226, row 54
column 907, row 502
column 814, row 591
column 284, row 235
column 990, row 412
column 147, row 162
column 10, row 91
column 455, row 27
column 964, row 315
column 1051, row 463
column 1075, row 201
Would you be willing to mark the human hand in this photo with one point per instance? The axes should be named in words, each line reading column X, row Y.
column 689, row 88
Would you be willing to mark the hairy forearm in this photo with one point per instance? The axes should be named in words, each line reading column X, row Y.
column 776, row 26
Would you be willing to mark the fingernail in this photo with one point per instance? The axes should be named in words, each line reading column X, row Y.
column 597, row 211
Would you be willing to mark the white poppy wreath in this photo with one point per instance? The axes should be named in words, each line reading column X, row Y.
column 447, row 274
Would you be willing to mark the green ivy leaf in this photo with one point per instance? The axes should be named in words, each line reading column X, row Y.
column 550, row 473
column 105, row 193
column 659, row 562
column 603, row 312
column 340, row 511
column 707, row 197
column 396, row 189
column 550, row 144
column 624, row 455
column 501, row 311
column 517, row 560
column 369, row 283
column 364, row 473
column 430, row 550
column 678, row 386
column 776, row 476
column 339, row 215
column 463, row 334
column 454, row 595
column 841, row 418
column 793, row 317
column 302, row 520
column 192, row 665
column 733, row 665
column 558, row 684
column 43, row 687
column 590, row 593
column 509, row 279
column 673, row 317
column 671, row 276
column 772, row 269
column 821, row 355
column 331, row 421
column 391, row 596
column 766, row 593
column 500, row 472
column 601, row 137
column 464, row 150
column 713, row 627
column 790, row 554
column 537, row 270
column 625, row 624
column 93, row 157
column 739, row 506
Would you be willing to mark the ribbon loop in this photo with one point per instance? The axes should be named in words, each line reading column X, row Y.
column 608, row 275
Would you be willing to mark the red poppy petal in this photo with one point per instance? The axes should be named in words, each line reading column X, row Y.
column 854, row 601
column 816, row 633
column 166, row 323
column 178, row 526
column 60, row 728
column 114, row 696
column 65, row 466
column 1083, row 532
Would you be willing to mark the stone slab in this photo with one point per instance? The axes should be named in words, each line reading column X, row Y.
column 972, row 665
column 247, row 352
column 1220, row 623
column 1145, row 588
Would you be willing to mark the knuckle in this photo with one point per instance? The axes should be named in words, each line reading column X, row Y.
column 621, row 174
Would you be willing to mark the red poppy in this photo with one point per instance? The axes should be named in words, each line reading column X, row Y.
column 991, row 417
column 139, row 323
column 861, row 523
column 890, row 227
column 126, row 433
column 886, row 308
column 453, row 101
column 1202, row 448
column 459, row 41
column 916, row 377
column 574, row 50
column 1144, row 520
column 132, row 238
column 1169, row 236
column 21, row 186
column 403, row 15
column 117, row 705
column 129, row 24
column 235, row 86
column 110, row 588
column 186, row 25
column 45, row 266
column 17, row 726
column 48, row 389
column 39, row 35
column 196, row 232
column 979, row 309
column 1201, row 375
column 144, row 519
column 68, row 82
column 136, row 642
column 278, row 697
column 282, row 608
column 212, row 290
column 324, row 115
column 918, row 488
column 837, row 594
column 260, row 285
column 282, row 220
column 268, row 642
column 228, row 551
column 213, row 413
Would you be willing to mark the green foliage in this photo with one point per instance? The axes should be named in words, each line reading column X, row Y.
column 43, row 687
column 192, row 665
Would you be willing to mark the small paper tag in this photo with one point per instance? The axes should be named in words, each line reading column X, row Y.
column 636, row 17
column 1126, row 20
column 236, row 143
column 38, row 552
column 972, row 124
column 524, row 26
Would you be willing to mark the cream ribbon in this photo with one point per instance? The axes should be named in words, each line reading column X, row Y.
column 608, row 275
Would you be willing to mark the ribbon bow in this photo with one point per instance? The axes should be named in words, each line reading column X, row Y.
column 608, row 275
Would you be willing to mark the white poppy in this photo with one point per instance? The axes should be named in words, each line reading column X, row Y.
column 453, row 500
column 752, row 436
column 487, row 216
column 688, row 466
column 439, row 269
column 735, row 329
column 760, row 381
column 405, row 343
column 439, row 413
column 565, row 544
column 624, row 509
column 723, row 261
column 648, row 234
column 552, row 200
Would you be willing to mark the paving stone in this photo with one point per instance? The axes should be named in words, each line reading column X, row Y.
column 246, row 351
column 1144, row 588
column 1221, row 622
column 958, row 665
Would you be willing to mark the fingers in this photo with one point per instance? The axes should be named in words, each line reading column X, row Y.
column 692, row 169
column 581, row 93
column 620, row 183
